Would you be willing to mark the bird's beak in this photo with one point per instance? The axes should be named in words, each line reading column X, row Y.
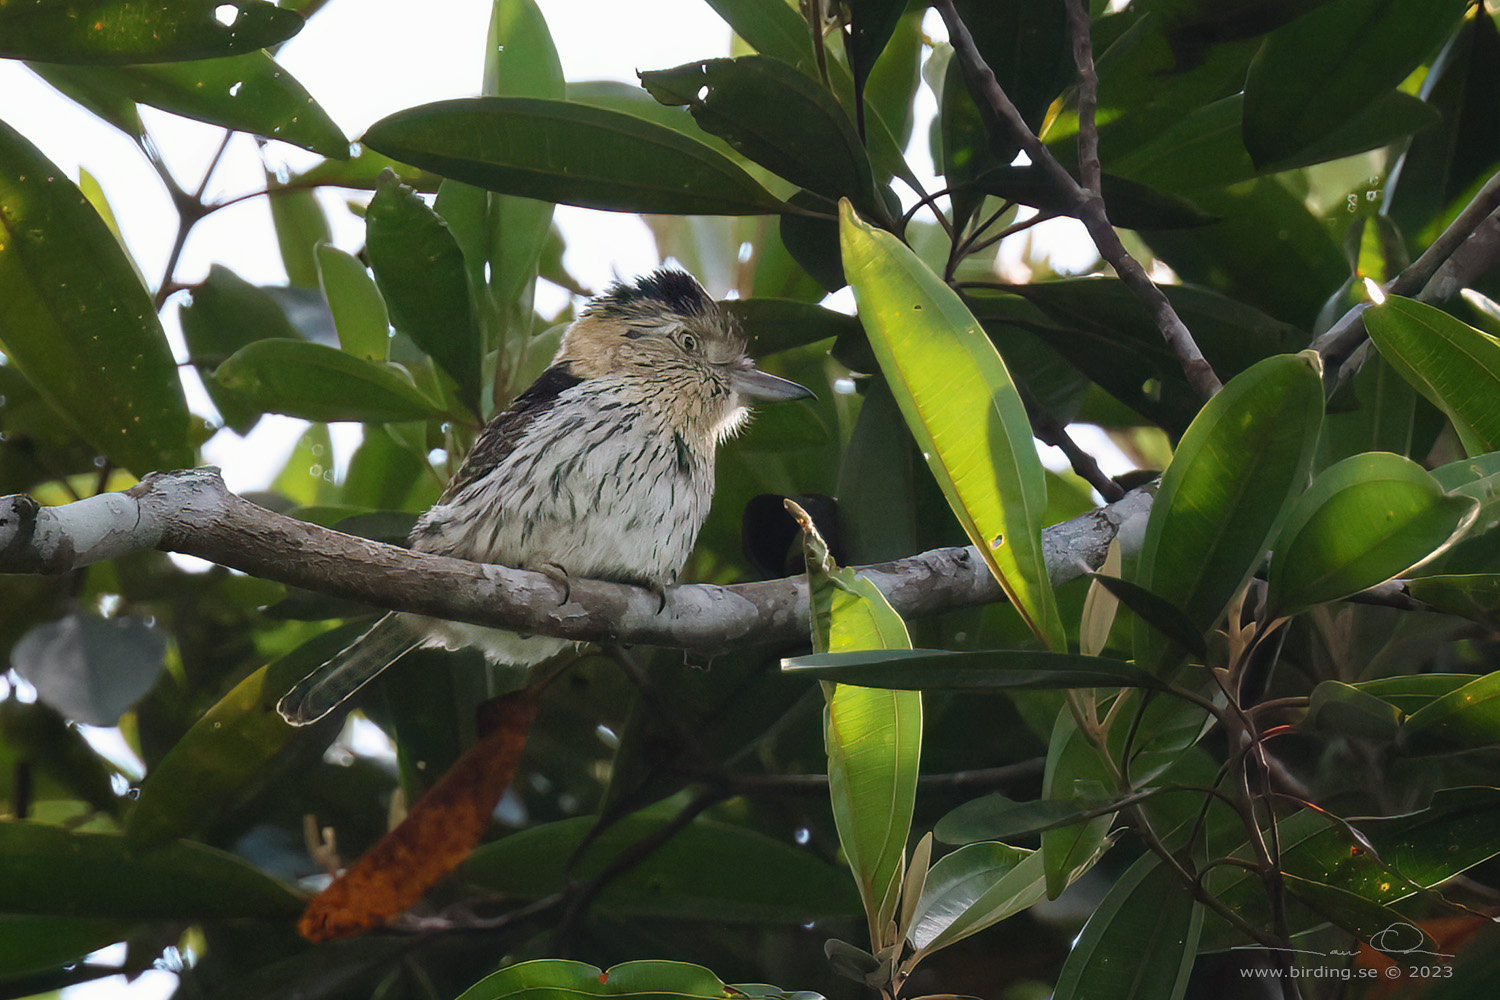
column 751, row 381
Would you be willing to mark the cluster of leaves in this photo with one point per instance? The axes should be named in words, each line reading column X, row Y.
column 1188, row 732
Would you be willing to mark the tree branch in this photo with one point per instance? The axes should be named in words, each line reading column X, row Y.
column 1468, row 247
column 1086, row 204
column 192, row 512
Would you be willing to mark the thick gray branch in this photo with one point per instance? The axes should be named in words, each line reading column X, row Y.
column 192, row 512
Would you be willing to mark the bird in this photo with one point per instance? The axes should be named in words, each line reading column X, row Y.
column 602, row 468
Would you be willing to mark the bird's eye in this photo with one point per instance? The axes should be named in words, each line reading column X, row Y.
column 689, row 343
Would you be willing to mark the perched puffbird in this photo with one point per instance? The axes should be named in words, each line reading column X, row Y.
column 603, row 468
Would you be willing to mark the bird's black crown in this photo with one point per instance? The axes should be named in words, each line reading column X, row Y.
column 674, row 290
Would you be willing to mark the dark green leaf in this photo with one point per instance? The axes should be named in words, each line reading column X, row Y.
column 1315, row 73
column 1140, row 942
column 1130, row 205
column 52, row 871
column 1233, row 476
column 773, row 325
column 321, row 383
column 776, row 116
column 570, row 153
column 707, row 871
column 113, row 32
column 994, row 817
column 1465, row 719
column 1000, row 669
column 1454, row 365
column 1384, row 929
column 75, row 319
column 207, row 770
column 772, row 28
column 871, row 24
column 362, row 171
column 1161, row 615
column 420, row 270
column 1345, row 710
column 1410, row 692
column 34, row 944
column 226, row 313
column 249, row 93
column 1475, row 596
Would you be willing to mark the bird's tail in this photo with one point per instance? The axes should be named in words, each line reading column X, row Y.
column 323, row 690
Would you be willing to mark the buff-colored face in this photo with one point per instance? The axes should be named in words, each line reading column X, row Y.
column 665, row 336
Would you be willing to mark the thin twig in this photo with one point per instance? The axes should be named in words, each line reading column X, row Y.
column 1090, row 173
column 1086, row 204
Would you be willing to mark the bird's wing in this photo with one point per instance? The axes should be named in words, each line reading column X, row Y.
column 503, row 432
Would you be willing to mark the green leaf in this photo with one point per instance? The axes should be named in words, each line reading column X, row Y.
column 104, row 32
column 1313, row 74
column 1139, row 943
column 706, row 871
column 358, row 309
column 559, row 979
column 997, row 669
column 420, row 270
column 226, row 313
column 1410, row 692
column 871, row 25
column 1346, row 710
column 1465, row 719
column 1363, row 521
column 973, row 888
column 994, row 816
column 1075, row 768
column 772, row 325
column 53, row 871
column 1370, row 922
column 1159, row 614
column 320, row 383
column 1205, row 148
column 776, row 116
column 301, row 228
column 1130, row 205
column 35, row 944
column 77, row 322
column 873, row 737
column 1475, row 596
column 208, row 769
column 1236, row 471
column 1451, row 363
column 964, row 411
column 249, row 93
column 772, row 28
column 570, row 153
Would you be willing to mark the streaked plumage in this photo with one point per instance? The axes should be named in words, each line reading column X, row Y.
column 603, row 468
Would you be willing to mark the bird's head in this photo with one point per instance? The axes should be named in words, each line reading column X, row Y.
column 665, row 337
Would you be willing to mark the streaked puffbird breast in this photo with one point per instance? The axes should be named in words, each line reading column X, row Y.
column 599, row 484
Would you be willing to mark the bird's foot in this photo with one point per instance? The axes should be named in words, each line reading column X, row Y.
column 558, row 573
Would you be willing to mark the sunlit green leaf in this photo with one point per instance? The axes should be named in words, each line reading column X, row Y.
column 358, row 309
column 570, row 153
column 1238, row 468
column 1363, row 521
column 103, row 32
column 1454, row 365
column 76, row 320
column 1465, row 719
column 963, row 409
column 973, row 888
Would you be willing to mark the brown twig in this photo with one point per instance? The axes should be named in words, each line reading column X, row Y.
column 1086, row 204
